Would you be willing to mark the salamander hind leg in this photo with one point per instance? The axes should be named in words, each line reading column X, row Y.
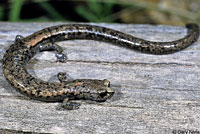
column 51, row 46
column 70, row 105
column 62, row 76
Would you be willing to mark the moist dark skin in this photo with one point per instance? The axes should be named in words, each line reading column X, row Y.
column 18, row 55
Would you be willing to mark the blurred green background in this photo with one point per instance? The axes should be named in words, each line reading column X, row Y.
column 172, row 12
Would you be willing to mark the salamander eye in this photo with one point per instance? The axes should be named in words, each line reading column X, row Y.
column 106, row 83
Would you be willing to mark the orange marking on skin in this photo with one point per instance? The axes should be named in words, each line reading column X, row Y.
column 78, row 83
column 49, row 94
column 38, row 38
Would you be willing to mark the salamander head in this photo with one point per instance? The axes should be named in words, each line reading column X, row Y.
column 101, row 91
column 96, row 90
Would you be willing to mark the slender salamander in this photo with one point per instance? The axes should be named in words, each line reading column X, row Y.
column 18, row 55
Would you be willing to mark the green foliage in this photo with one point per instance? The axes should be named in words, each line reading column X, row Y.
column 95, row 11
column 51, row 11
column 14, row 14
column 16, row 5
column 103, row 11
column 1, row 12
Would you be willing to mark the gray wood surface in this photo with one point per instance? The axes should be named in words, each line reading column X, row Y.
column 154, row 94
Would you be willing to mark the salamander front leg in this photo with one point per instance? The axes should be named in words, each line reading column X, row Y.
column 70, row 105
column 51, row 46
column 18, row 38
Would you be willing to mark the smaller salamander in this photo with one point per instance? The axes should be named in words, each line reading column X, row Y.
column 18, row 55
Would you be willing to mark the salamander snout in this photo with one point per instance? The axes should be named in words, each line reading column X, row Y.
column 104, row 92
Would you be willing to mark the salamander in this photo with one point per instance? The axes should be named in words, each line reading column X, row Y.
column 24, row 48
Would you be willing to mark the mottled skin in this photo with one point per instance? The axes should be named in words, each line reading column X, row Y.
column 19, row 53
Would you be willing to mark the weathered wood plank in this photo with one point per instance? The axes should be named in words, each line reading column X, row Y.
column 154, row 94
